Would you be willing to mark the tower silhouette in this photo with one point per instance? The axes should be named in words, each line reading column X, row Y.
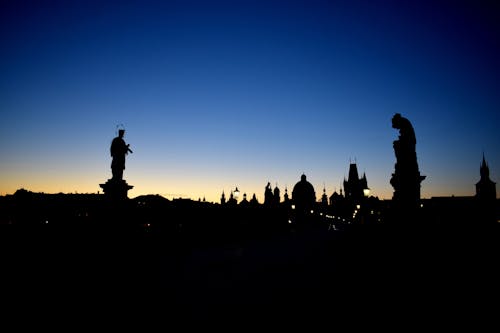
column 486, row 194
column 354, row 186
column 485, row 187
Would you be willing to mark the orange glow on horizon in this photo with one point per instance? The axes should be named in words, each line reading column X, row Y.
column 210, row 191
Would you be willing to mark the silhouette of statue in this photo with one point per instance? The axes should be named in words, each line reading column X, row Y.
column 117, row 187
column 119, row 149
column 268, row 195
column 406, row 178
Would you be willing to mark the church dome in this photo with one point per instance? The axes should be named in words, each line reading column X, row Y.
column 303, row 194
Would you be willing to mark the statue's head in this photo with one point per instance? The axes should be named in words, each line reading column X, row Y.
column 396, row 120
column 121, row 132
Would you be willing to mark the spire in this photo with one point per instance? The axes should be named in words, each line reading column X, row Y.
column 286, row 194
column 484, row 170
column 324, row 197
column 485, row 188
column 364, row 182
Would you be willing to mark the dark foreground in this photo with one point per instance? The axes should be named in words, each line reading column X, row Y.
column 370, row 276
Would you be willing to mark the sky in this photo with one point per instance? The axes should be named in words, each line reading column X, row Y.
column 215, row 95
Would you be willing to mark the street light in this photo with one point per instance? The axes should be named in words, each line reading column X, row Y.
column 366, row 192
column 236, row 193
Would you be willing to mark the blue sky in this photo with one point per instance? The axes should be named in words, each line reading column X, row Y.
column 219, row 94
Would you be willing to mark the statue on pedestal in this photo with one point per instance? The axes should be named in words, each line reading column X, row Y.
column 117, row 187
column 406, row 178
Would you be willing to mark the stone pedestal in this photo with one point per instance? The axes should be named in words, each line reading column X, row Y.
column 116, row 189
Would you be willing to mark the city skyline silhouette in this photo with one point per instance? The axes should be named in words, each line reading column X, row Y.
column 224, row 95
column 185, row 262
column 303, row 206
column 249, row 163
column 120, row 166
column 305, row 257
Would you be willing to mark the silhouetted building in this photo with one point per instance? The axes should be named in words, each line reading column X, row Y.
column 337, row 207
column 354, row 186
column 223, row 198
column 335, row 198
column 244, row 202
column 324, row 198
column 276, row 196
column 286, row 199
column 232, row 201
column 268, row 195
column 486, row 194
column 303, row 198
column 254, row 202
column 485, row 188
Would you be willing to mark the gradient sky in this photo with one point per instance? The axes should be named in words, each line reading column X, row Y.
column 219, row 94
